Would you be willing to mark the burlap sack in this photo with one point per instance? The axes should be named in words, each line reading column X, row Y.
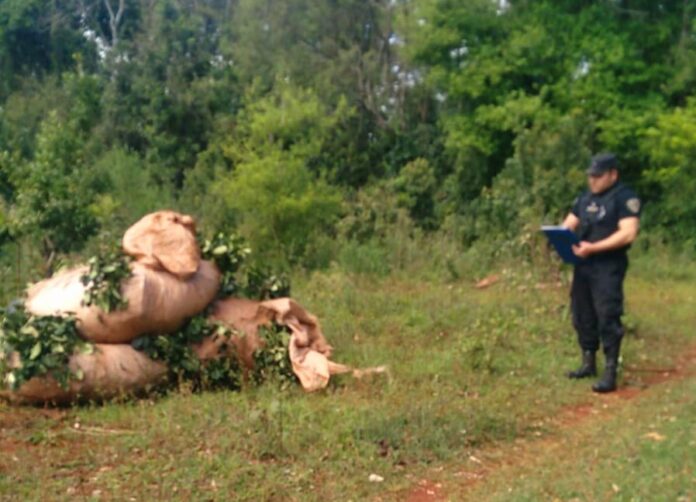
column 246, row 316
column 308, row 349
column 116, row 369
column 110, row 371
column 164, row 240
column 158, row 302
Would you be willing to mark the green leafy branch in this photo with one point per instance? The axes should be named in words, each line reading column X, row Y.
column 272, row 361
column 262, row 284
column 230, row 252
column 176, row 351
column 44, row 345
column 103, row 281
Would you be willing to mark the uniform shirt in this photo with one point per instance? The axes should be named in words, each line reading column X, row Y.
column 599, row 214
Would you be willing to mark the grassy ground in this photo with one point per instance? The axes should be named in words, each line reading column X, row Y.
column 635, row 450
column 472, row 373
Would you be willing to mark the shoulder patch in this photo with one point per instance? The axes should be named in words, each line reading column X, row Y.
column 633, row 205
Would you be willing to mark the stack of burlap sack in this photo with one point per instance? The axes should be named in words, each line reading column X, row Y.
column 169, row 283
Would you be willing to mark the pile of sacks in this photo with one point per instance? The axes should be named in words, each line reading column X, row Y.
column 169, row 283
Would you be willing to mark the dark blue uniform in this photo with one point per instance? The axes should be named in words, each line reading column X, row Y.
column 597, row 291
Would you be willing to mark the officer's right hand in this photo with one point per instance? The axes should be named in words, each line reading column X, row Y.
column 583, row 249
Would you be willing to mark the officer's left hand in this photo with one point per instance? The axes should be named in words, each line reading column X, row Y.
column 583, row 249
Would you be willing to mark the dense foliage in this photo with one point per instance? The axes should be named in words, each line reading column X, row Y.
column 309, row 126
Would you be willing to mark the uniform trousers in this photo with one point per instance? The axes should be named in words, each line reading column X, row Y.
column 597, row 301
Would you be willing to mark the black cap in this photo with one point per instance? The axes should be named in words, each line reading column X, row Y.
column 602, row 163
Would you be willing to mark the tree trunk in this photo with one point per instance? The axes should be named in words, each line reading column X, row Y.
column 115, row 19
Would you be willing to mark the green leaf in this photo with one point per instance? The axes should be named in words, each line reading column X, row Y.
column 35, row 351
column 30, row 331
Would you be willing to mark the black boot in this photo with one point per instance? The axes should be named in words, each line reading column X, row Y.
column 608, row 381
column 588, row 367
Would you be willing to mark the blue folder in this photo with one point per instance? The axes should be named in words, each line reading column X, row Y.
column 562, row 240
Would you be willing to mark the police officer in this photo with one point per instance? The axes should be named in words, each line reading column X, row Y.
column 606, row 218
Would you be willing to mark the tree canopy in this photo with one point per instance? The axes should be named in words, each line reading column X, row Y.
column 283, row 118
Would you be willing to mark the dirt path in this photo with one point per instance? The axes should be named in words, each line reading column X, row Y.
column 636, row 380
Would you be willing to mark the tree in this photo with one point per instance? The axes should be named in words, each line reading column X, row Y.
column 52, row 197
column 167, row 83
column 671, row 148
column 341, row 50
column 38, row 38
column 269, row 193
column 496, row 71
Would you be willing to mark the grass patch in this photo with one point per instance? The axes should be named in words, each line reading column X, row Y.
column 469, row 368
